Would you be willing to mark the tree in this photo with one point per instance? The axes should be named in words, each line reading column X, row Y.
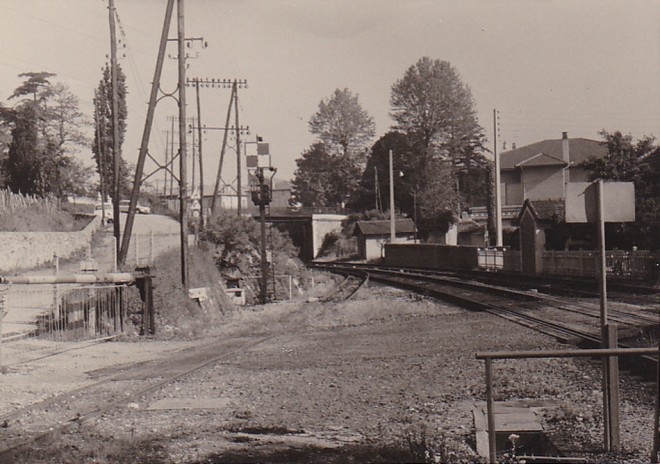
column 323, row 179
column 36, row 84
column 624, row 160
column 433, row 107
column 377, row 167
column 22, row 165
column 103, row 151
column 637, row 162
column 46, row 127
column 329, row 171
column 342, row 124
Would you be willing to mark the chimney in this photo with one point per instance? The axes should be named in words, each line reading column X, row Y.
column 565, row 150
column 513, row 146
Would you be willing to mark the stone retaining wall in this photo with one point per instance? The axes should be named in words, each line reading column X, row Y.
column 27, row 250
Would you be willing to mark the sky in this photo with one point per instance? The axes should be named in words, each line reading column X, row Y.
column 579, row 66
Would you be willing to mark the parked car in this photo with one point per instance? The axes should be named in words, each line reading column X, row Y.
column 125, row 204
column 106, row 216
column 143, row 209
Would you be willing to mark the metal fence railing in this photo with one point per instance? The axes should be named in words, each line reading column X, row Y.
column 37, row 319
column 635, row 264
column 62, row 311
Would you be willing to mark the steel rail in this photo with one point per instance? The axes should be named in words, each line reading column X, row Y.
column 617, row 315
column 552, row 328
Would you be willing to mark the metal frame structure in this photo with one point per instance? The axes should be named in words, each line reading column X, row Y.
column 608, row 354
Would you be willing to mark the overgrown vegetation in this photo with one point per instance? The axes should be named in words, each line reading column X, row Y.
column 234, row 243
column 177, row 315
column 638, row 161
column 28, row 213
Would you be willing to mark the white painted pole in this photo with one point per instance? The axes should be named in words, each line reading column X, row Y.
column 392, row 223
column 114, row 253
column 151, row 245
column 498, row 192
column 137, row 250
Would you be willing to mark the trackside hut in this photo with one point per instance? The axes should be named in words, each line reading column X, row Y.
column 373, row 235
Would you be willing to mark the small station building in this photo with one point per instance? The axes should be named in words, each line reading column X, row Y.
column 373, row 235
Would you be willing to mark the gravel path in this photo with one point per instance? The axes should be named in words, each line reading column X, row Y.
column 384, row 378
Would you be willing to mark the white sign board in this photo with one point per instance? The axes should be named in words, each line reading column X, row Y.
column 582, row 202
column 195, row 206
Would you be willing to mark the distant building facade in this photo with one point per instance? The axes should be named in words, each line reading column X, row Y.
column 538, row 173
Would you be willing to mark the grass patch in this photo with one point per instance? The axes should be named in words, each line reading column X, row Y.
column 177, row 315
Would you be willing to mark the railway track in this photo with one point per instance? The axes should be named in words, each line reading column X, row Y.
column 567, row 321
column 346, row 289
column 553, row 285
column 43, row 420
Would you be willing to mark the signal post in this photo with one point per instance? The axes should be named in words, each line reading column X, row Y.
column 261, row 191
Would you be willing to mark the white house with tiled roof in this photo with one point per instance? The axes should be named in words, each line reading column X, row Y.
column 540, row 171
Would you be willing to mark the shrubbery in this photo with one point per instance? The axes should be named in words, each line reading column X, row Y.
column 235, row 243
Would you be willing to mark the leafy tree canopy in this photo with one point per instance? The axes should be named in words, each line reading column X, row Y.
column 435, row 110
column 342, row 124
column 638, row 161
column 323, row 179
column 424, row 190
column 433, row 105
column 36, row 84
column 45, row 130
column 625, row 158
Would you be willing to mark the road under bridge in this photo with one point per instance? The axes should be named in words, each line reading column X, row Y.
column 306, row 230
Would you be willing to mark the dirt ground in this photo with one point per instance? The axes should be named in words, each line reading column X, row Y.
column 386, row 377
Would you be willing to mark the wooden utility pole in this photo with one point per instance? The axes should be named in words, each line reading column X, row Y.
column 239, row 193
column 222, row 154
column 101, row 157
column 172, row 160
column 242, row 130
column 234, row 84
column 183, row 159
column 116, row 154
column 193, row 154
column 144, row 145
column 167, row 161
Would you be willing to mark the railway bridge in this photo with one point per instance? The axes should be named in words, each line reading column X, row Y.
column 307, row 230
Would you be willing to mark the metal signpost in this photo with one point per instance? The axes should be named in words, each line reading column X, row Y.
column 598, row 203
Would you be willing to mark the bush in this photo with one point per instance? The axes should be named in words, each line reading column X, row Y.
column 235, row 244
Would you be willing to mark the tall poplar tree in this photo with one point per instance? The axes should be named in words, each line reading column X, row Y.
column 103, row 151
